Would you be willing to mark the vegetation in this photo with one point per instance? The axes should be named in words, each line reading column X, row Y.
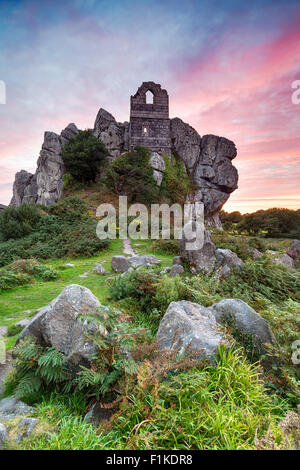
column 63, row 229
column 272, row 223
column 17, row 222
column 24, row 272
column 176, row 183
column 131, row 174
column 83, row 156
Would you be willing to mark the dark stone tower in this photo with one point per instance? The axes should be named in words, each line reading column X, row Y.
column 149, row 121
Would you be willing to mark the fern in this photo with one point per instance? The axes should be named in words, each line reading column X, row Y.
column 114, row 338
column 37, row 369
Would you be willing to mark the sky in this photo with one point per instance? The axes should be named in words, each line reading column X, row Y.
column 228, row 67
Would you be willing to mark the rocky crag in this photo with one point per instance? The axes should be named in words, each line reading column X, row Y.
column 208, row 159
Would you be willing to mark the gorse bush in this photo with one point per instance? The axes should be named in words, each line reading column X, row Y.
column 83, row 156
column 65, row 229
column 17, row 222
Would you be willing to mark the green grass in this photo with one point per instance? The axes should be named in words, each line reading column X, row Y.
column 222, row 407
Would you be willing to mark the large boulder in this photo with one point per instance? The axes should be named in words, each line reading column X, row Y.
column 58, row 325
column 239, row 315
column 225, row 257
column 286, row 260
column 113, row 134
column 22, row 181
column 190, row 327
column 11, row 407
column 50, row 165
column 123, row 263
column 209, row 161
column 294, row 250
column 45, row 186
column 185, row 141
column 199, row 260
column 158, row 164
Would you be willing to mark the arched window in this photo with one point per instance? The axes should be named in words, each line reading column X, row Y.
column 149, row 97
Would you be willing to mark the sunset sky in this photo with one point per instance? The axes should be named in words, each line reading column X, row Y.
column 228, row 67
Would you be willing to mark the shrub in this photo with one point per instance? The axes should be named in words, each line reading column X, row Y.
column 24, row 271
column 262, row 278
column 132, row 174
column 176, row 183
column 66, row 229
column 17, row 222
column 14, row 330
column 171, row 247
column 83, row 156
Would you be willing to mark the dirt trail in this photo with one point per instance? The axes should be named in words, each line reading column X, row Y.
column 127, row 248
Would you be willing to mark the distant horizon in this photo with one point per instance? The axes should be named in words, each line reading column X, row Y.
column 228, row 68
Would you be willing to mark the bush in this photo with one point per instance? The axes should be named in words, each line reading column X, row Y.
column 263, row 278
column 176, row 184
column 66, row 229
column 24, row 271
column 83, row 156
column 17, row 222
column 171, row 247
column 131, row 174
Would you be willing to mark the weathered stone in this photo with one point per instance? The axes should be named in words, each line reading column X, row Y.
column 165, row 270
column 25, row 427
column 245, row 319
column 157, row 162
column 58, row 325
column 97, row 414
column 3, row 435
column 23, row 323
column 45, row 186
column 98, row 268
column 177, row 260
column 11, row 407
column 286, row 260
column 189, row 326
column 185, row 141
column 113, row 134
column 223, row 273
column 22, row 180
column 158, row 176
column 199, row 260
column 176, row 270
column 255, row 253
column 225, row 257
column 120, row 263
column 294, row 250
column 144, row 260
column 149, row 122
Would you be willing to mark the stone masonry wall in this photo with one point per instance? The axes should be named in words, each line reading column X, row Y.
column 150, row 123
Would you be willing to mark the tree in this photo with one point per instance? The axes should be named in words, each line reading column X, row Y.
column 83, row 156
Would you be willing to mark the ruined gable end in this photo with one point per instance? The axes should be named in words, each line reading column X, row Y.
column 149, row 118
